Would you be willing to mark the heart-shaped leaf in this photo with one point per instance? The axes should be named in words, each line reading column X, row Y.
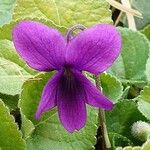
column 131, row 65
column 64, row 13
column 144, row 102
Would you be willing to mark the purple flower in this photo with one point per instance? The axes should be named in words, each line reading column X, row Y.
column 45, row 49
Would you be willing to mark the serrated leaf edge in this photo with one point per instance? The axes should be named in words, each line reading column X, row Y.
column 13, row 121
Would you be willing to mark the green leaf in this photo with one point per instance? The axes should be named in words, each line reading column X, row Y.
column 11, row 77
column 49, row 133
column 112, row 87
column 10, row 136
column 147, row 72
column 126, row 92
column 143, row 7
column 129, row 148
column 145, row 146
column 6, row 30
column 64, row 13
column 27, row 127
column 145, row 94
column 146, row 31
column 144, row 102
column 31, row 94
column 6, row 9
column 144, row 106
column 131, row 65
column 8, row 52
column 13, row 70
column 10, row 101
column 121, row 118
column 118, row 140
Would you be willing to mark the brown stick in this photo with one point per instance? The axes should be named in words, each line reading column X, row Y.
column 105, row 139
column 118, row 18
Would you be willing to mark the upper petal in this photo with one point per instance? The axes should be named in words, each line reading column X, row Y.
column 43, row 48
column 48, row 98
column 71, row 103
column 94, row 49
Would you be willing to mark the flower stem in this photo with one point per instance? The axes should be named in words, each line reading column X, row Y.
column 70, row 31
column 105, row 139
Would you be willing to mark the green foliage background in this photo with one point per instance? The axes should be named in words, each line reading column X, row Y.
column 126, row 82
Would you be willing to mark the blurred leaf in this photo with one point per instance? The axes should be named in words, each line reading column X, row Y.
column 27, row 127
column 146, row 31
column 145, row 146
column 10, row 101
column 6, row 30
column 131, row 65
column 118, row 140
column 144, row 102
column 147, row 72
column 129, row 148
column 11, row 77
column 10, row 137
column 49, row 133
column 125, row 92
column 143, row 7
column 121, row 118
column 8, row 52
column 6, row 10
column 112, row 87
column 64, row 13
column 145, row 94
column 144, row 107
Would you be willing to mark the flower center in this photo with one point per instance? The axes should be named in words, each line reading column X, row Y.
column 67, row 71
column 69, row 84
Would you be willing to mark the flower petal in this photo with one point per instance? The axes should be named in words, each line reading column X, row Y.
column 93, row 96
column 43, row 48
column 96, row 98
column 94, row 49
column 48, row 98
column 71, row 103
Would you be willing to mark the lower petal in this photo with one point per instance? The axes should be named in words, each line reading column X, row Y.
column 71, row 103
column 72, row 113
column 94, row 96
column 48, row 99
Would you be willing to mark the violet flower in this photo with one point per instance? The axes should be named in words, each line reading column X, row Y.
column 45, row 49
